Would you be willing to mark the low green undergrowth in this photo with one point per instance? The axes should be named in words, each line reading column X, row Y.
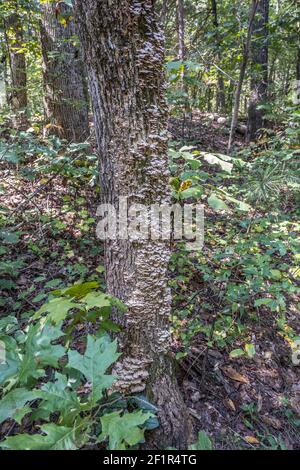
column 249, row 265
column 63, row 397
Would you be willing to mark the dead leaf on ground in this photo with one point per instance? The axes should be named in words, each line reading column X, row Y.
column 271, row 421
column 229, row 404
column 251, row 440
column 234, row 375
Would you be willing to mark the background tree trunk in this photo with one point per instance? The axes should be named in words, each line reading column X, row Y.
column 125, row 56
column 163, row 13
column 238, row 91
column 221, row 103
column 180, row 29
column 17, row 68
column 298, row 63
column 259, row 80
column 180, row 19
column 65, row 87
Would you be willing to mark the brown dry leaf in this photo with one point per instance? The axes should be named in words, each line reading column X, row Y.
column 229, row 404
column 251, row 440
column 270, row 421
column 234, row 375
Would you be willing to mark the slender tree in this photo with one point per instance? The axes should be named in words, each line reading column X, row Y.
column 259, row 79
column 238, row 91
column 180, row 29
column 17, row 95
column 221, row 102
column 298, row 63
column 65, row 87
column 125, row 57
column 163, row 13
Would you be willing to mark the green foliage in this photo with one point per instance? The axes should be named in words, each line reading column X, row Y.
column 249, row 263
column 70, row 405
column 203, row 442
column 123, row 431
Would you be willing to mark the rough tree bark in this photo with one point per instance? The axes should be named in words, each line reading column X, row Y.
column 239, row 87
column 221, row 102
column 125, row 55
column 259, row 80
column 65, row 87
column 17, row 69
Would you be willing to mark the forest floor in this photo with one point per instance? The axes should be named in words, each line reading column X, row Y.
column 50, row 242
column 242, row 403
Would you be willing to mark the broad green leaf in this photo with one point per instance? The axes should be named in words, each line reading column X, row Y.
column 123, row 430
column 195, row 191
column 240, row 205
column 109, row 325
column 237, row 353
column 13, row 404
column 250, row 350
column 57, row 397
column 9, row 237
column 56, row 438
column 80, row 290
column 216, row 203
column 276, row 274
column 40, row 352
column 219, row 159
column 203, row 443
column 263, row 301
column 10, row 366
column 57, row 310
column 98, row 357
column 96, row 299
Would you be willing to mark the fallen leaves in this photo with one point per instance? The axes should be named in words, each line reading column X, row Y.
column 251, row 440
column 234, row 375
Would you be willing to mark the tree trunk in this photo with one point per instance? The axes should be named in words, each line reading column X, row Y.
column 239, row 87
column 298, row 64
column 180, row 29
column 182, row 57
column 163, row 13
column 65, row 88
column 125, row 56
column 259, row 80
column 221, row 103
column 17, row 68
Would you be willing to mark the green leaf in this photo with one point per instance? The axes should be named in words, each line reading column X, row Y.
column 56, row 438
column 96, row 299
column 57, row 310
column 13, row 404
column 250, row 350
column 240, row 205
column 195, row 191
column 216, row 203
column 100, row 354
column 203, row 443
column 222, row 160
column 57, row 397
column 123, row 431
column 236, row 353
column 276, row 274
column 109, row 325
column 9, row 237
column 263, row 301
column 40, row 352
column 80, row 290
column 9, row 369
